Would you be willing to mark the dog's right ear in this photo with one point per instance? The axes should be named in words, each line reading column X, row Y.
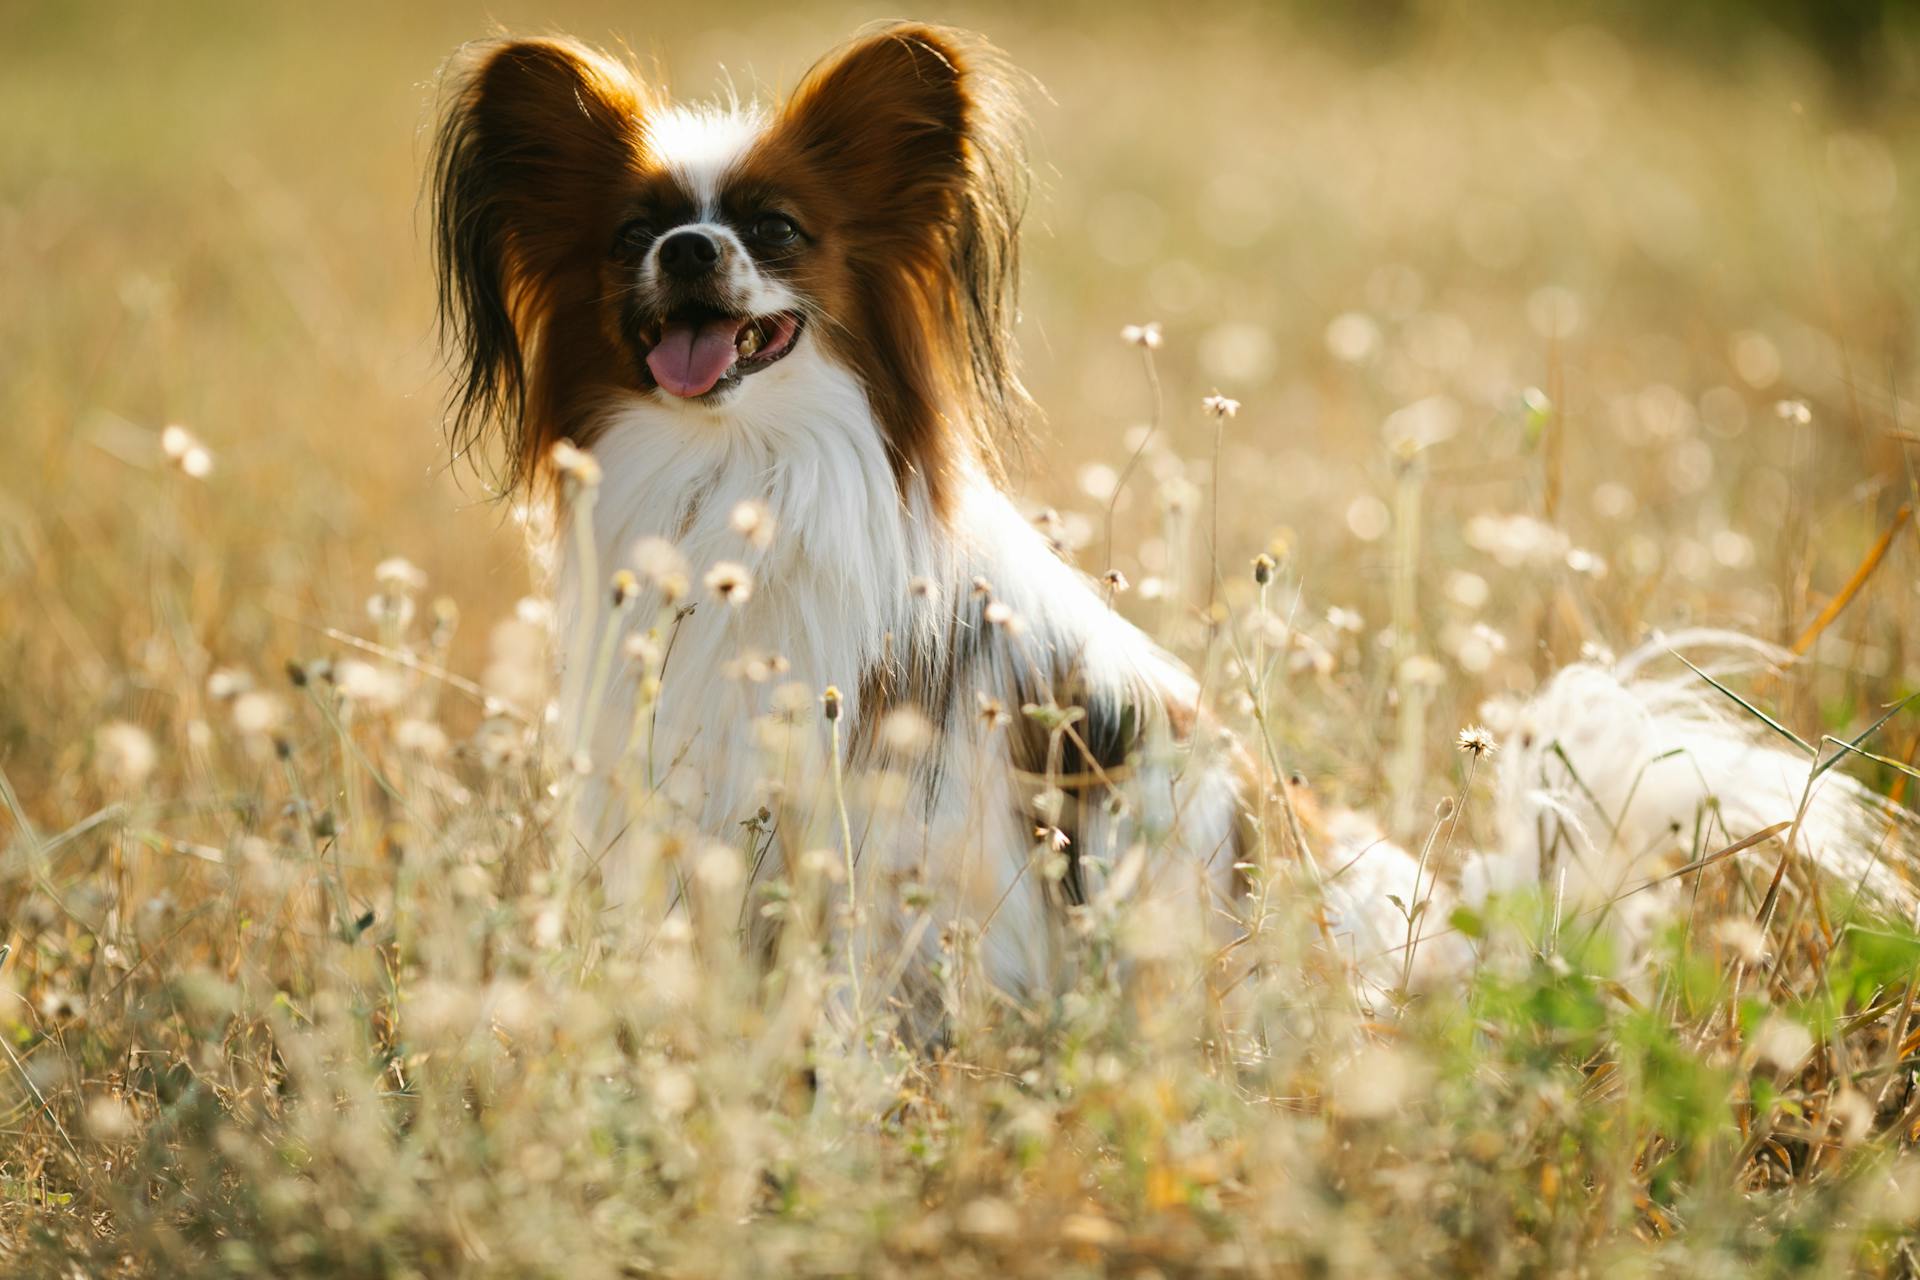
column 538, row 143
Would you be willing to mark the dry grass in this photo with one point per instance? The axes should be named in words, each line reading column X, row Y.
column 293, row 984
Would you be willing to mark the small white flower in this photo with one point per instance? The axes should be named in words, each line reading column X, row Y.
column 1475, row 740
column 421, row 737
column 752, row 520
column 660, row 564
column 224, row 683
column 1517, row 541
column 1582, row 561
column 1146, row 336
column 1352, row 337
column 1219, row 406
column 1743, row 938
column 124, row 754
column 730, row 581
column 1420, row 670
column 374, row 687
column 1468, row 590
column 57, row 1005
column 1782, row 1043
column 397, row 573
column 256, row 713
column 185, row 451
column 905, row 730
column 575, row 463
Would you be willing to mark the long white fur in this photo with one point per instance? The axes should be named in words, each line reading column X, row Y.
column 1609, row 779
column 833, row 591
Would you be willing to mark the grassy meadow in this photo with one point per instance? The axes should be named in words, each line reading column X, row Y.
column 1546, row 335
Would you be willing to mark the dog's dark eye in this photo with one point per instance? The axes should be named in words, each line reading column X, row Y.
column 775, row 229
column 633, row 237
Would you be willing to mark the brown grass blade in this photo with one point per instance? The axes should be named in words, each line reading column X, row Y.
column 1874, row 556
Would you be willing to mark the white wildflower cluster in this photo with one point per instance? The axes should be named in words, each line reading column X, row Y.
column 184, row 450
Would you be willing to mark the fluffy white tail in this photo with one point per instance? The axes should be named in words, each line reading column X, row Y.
column 1609, row 781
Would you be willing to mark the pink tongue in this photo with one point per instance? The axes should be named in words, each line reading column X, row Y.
column 688, row 361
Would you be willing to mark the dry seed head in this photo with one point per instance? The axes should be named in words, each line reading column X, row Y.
column 575, row 464
column 256, row 713
column 1852, row 1115
column 999, row 614
column 1115, row 581
column 1476, row 740
column 225, row 683
column 921, row 588
column 625, row 587
column 752, row 520
column 1582, row 561
column 185, row 451
column 830, row 704
column 1263, row 567
column 1422, row 671
column 906, row 731
column 62, row 1006
column 1219, row 406
column 108, row 1118
column 1782, row 1043
column 660, row 563
column 1745, row 939
column 1145, row 336
column 124, row 754
column 397, row 573
column 391, row 607
column 374, row 687
column 422, row 737
column 1051, row 527
column 730, row 581
column 1795, row 411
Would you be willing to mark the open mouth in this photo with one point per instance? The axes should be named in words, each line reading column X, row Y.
column 691, row 353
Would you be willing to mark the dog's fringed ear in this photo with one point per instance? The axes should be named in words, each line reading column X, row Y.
column 537, row 141
column 925, row 123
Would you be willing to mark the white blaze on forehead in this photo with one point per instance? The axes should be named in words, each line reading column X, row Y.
column 700, row 145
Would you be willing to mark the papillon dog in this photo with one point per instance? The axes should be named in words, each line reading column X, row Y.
column 756, row 368
column 773, row 348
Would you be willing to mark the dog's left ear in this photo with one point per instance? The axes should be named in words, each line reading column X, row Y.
column 921, row 129
column 888, row 117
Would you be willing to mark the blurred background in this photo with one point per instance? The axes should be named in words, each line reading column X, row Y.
column 1590, row 317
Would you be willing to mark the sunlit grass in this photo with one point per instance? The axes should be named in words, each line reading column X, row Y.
column 1540, row 340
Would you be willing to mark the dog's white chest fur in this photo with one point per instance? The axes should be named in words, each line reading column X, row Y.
column 851, row 579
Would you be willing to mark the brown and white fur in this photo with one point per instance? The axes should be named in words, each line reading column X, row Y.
column 857, row 247
column 809, row 308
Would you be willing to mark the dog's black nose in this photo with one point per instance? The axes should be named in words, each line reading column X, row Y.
column 687, row 255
